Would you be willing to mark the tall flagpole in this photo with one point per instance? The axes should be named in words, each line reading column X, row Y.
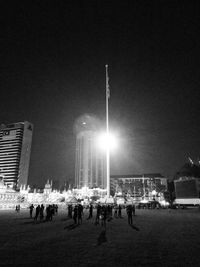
column 107, row 134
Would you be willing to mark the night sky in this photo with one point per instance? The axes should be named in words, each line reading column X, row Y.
column 52, row 70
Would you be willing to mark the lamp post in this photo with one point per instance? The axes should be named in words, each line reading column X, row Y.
column 107, row 133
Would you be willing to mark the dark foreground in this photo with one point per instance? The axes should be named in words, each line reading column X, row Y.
column 157, row 238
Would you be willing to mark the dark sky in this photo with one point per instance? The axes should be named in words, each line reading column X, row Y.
column 52, row 70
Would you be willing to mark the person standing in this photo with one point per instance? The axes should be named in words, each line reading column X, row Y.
column 119, row 211
column 41, row 212
column 52, row 212
column 31, row 210
column 98, row 214
column 56, row 209
column 48, row 211
column 115, row 211
column 69, row 211
column 90, row 211
column 133, row 208
column 80, row 212
column 37, row 211
column 103, row 216
column 75, row 214
column 17, row 208
column 130, row 214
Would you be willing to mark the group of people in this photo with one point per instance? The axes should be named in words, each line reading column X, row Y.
column 78, row 213
column 103, row 213
column 39, row 212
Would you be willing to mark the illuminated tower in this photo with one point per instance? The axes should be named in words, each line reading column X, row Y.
column 15, row 151
column 90, row 161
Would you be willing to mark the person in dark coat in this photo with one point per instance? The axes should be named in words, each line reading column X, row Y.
column 80, row 213
column 52, row 212
column 115, row 211
column 103, row 216
column 90, row 211
column 133, row 208
column 75, row 216
column 98, row 214
column 48, row 212
column 41, row 212
column 37, row 212
column 31, row 210
column 119, row 211
column 56, row 209
column 17, row 208
column 70, row 211
column 129, row 211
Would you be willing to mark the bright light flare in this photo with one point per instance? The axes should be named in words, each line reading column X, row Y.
column 106, row 141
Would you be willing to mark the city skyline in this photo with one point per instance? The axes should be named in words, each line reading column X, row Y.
column 53, row 71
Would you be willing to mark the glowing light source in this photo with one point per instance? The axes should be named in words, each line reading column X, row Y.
column 154, row 192
column 107, row 141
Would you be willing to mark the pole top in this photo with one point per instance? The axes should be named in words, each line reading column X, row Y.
column 106, row 65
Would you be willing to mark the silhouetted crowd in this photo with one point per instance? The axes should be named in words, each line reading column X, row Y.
column 43, row 213
column 104, row 213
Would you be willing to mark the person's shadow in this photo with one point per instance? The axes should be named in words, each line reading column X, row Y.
column 102, row 238
column 71, row 226
column 66, row 219
column 134, row 227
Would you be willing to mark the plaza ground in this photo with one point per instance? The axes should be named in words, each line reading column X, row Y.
column 157, row 238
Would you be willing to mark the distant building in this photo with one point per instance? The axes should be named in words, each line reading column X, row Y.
column 187, row 184
column 90, row 161
column 15, row 151
column 139, row 186
column 47, row 188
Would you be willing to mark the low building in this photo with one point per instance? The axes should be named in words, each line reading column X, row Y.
column 24, row 197
column 139, row 186
column 187, row 185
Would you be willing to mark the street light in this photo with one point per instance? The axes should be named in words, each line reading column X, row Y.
column 106, row 141
column 107, row 133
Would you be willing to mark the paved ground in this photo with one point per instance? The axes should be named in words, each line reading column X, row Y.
column 158, row 238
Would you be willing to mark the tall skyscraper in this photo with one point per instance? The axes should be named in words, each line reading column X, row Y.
column 15, row 151
column 90, row 161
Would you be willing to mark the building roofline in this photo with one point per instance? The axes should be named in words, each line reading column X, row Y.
column 145, row 175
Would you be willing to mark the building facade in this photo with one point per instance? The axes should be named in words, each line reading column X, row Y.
column 15, row 151
column 90, row 160
column 187, row 184
column 141, row 186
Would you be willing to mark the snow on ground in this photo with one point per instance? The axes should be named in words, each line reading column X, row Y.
column 157, row 238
